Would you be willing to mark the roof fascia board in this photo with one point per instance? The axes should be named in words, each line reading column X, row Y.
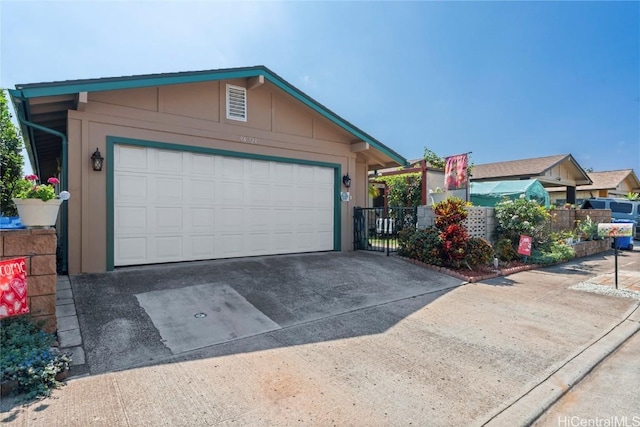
column 133, row 82
column 52, row 89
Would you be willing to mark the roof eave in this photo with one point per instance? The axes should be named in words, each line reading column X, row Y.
column 26, row 91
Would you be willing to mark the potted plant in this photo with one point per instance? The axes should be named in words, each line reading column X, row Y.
column 38, row 204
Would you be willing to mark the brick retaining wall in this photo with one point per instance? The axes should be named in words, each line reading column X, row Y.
column 38, row 246
column 591, row 247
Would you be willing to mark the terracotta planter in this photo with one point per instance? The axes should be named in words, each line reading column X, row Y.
column 34, row 213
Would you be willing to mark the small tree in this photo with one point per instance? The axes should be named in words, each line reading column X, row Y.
column 11, row 160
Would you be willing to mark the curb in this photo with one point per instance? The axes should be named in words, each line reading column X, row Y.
column 473, row 279
column 534, row 403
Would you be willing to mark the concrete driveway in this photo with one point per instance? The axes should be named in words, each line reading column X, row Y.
column 359, row 339
column 156, row 312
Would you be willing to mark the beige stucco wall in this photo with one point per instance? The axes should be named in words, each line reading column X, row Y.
column 194, row 114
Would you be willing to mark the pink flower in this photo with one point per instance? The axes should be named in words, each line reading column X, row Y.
column 53, row 181
column 31, row 177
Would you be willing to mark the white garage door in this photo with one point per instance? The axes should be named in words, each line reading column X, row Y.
column 180, row 206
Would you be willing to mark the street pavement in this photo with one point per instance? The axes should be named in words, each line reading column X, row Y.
column 609, row 394
column 499, row 352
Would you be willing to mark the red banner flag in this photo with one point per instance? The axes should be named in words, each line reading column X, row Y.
column 13, row 287
column 455, row 172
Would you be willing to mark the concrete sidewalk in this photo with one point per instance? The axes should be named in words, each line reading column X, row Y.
column 461, row 356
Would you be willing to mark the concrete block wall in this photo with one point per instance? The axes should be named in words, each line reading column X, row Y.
column 480, row 221
column 38, row 246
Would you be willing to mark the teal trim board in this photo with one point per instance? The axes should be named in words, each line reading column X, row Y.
column 110, row 150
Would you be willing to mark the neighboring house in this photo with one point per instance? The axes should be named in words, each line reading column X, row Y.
column 198, row 165
column 616, row 183
column 552, row 171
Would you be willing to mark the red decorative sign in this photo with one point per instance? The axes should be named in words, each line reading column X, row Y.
column 524, row 247
column 13, row 287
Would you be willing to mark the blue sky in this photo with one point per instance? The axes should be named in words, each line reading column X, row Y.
column 504, row 80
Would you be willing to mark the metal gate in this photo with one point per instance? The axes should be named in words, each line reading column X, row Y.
column 376, row 229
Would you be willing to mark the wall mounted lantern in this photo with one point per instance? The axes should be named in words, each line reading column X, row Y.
column 96, row 160
column 346, row 180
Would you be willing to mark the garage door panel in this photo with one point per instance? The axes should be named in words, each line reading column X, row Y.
column 201, row 164
column 202, row 218
column 259, row 219
column 283, row 194
column 169, row 248
column 178, row 206
column 259, row 170
column 282, row 241
column 130, row 218
column 202, row 246
column 259, row 194
column 282, row 172
column 232, row 168
column 258, row 243
column 131, row 250
column 230, row 245
column 231, row 192
column 201, row 191
column 168, row 218
column 131, row 158
column 131, row 187
column 169, row 188
column 231, row 218
column 169, row 161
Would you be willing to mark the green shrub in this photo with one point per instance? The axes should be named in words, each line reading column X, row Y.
column 423, row 245
column 521, row 216
column 478, row 252
column 27, row 358
column 552, row 253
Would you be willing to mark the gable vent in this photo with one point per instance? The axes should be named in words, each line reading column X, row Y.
column 236, row 103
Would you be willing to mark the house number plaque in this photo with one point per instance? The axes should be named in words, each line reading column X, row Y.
column 249, row 139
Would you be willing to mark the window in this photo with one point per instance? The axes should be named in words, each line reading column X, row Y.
column 236, row 103
column 621, row 207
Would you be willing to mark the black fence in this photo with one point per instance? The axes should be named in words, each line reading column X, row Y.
column 376, row 229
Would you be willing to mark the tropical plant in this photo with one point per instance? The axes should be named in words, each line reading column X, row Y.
column 477, row 252
column 450, row 214
column 632, row 196
column 423, row 244
column 11, row 160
